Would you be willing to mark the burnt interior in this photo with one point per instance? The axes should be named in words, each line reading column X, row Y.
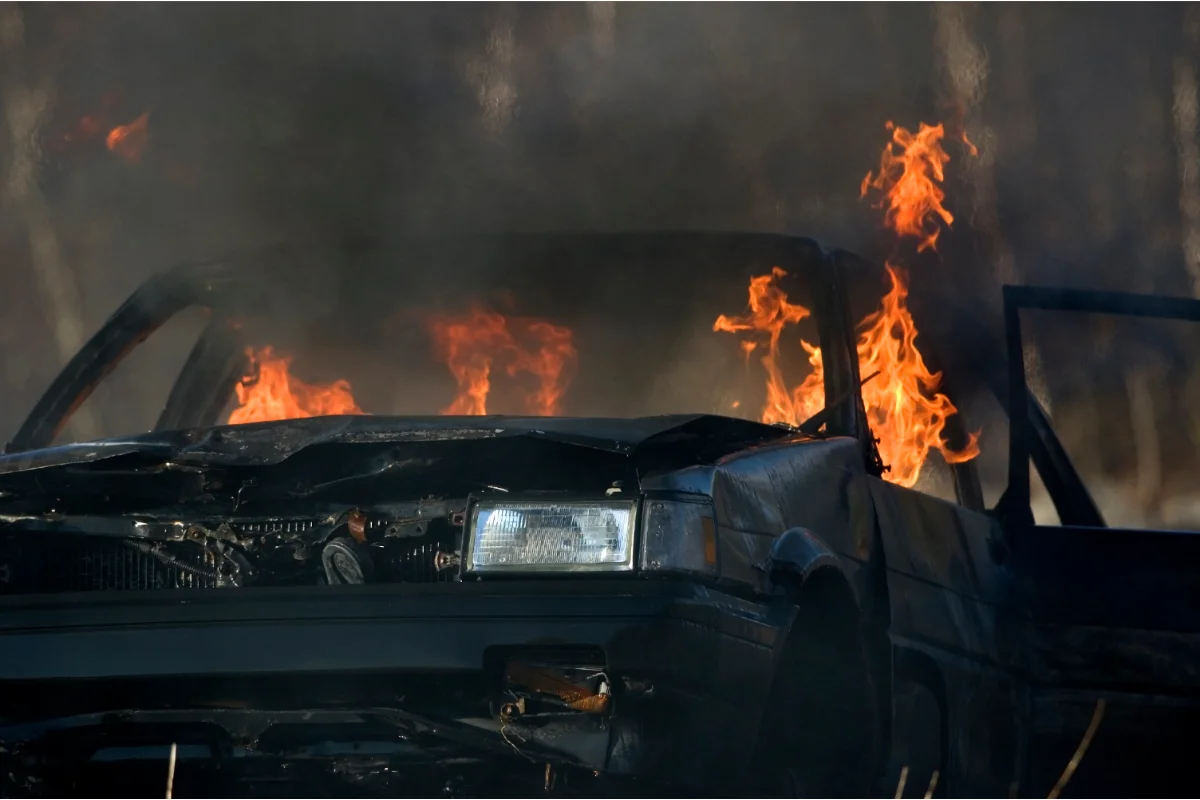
column 641, row 314
column 640, row 307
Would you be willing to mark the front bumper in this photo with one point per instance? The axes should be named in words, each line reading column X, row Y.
column 709, row 656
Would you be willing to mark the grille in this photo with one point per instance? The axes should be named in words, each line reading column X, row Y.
column 413, row 563
column 31, row 563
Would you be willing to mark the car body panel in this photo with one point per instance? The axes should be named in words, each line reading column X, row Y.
column 1112, row 614
column 760, row 493
column 709, row 651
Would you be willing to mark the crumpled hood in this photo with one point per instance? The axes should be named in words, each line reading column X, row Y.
column 266, row 443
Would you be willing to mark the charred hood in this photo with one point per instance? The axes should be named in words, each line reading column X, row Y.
column 330, row 457
column 704, row 436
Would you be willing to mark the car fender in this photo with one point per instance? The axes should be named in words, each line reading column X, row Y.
column 797, row 555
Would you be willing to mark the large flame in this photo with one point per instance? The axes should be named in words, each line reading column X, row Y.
column 911, row 170
column 271, row 393
column 128, row 141
column 905, row 410
column 474, row 343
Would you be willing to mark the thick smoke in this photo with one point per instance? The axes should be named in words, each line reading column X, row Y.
column 269, row 124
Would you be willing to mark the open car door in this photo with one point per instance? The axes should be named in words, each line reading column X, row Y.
column 1114, row 612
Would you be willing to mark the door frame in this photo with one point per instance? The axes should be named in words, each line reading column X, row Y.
column 1030, row 434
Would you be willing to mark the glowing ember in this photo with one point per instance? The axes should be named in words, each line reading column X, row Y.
column 768, row 313
column 909, row 178
column 475, row 342
column 83, row 130
column 128, row 141
column 86, row 128
column 273, row 393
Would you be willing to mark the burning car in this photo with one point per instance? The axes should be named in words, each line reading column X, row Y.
column 274, row 591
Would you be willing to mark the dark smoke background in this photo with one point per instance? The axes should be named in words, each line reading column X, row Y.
column 271, row 122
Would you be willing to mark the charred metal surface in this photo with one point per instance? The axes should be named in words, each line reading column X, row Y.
column 1106, row 613
column 665, row 652
column 156, row 301
column 311, row 751
column 257, row 445
column 206, row 380
column 763, row 492
column 796, row 554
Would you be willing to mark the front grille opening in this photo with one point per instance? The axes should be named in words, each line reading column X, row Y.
column 31, row 563
column 34, row 562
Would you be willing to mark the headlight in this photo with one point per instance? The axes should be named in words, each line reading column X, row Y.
column 569, row 536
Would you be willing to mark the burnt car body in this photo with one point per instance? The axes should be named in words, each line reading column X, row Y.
column 299, row 606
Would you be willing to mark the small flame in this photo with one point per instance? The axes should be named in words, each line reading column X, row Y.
column 475, row 342
column 768, row 313
column 273, row 393
column 911, row 170
column 86, row 128
column 128, row 141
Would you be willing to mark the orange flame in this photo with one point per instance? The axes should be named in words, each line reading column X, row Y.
column 905, row 410
column 769, row 312
column 473, row 343
column 128, row 141
column 86, row 127
column 911, row 170
column 272, row 393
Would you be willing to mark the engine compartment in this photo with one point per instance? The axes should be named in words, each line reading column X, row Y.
column 404, row 543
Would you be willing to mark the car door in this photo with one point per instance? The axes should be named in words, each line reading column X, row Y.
column 1113, row 636
column 957, row 690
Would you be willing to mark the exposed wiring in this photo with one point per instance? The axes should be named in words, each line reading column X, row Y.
column 1080, row 751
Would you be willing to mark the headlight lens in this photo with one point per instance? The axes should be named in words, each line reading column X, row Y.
column 576, row 536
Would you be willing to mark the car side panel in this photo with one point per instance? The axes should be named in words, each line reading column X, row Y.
column 948, row 598
column 760, row 493
column 1114, row 616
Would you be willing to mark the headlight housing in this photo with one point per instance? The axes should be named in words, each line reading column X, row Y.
column 679, row 535
column 558, row 535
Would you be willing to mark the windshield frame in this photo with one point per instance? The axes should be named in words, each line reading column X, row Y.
column 226, row 287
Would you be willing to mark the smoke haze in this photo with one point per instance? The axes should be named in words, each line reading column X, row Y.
column 270, row 123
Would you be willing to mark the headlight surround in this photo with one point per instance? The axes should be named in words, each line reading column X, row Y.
column 552, row 535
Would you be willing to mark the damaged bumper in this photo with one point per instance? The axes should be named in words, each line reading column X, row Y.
column 633, row 678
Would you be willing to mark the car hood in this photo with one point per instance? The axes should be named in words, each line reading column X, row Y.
column 261, row 444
